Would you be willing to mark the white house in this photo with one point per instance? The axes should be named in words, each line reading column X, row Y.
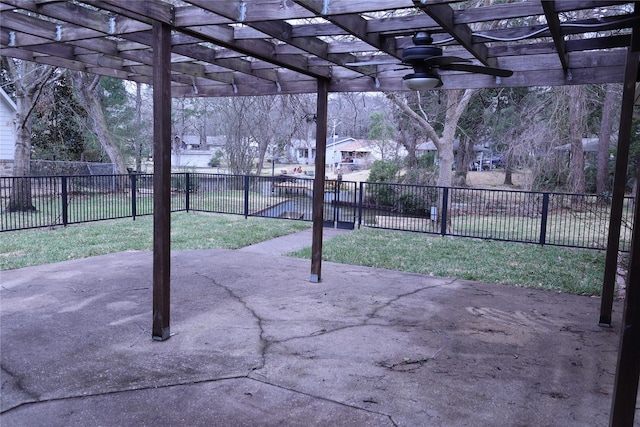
column 350, row 155
column 342, row 152
column 192, row 151
column 8, row 114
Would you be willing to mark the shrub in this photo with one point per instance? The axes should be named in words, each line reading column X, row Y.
column 179, row 182
column 216, row 159
column 383, row 171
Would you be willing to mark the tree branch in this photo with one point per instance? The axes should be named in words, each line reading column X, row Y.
column 424, row 124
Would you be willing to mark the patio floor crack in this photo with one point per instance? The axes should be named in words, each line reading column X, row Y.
column 264, row 343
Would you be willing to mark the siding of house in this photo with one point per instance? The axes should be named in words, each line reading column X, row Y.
column 191, row 159
column 8, row 111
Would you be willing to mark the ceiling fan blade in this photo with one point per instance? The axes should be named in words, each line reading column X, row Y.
column 498, row 72
column 366, row 63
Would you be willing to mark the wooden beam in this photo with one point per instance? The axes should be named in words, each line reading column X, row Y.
column 78, row 14
column 556, row 32
column 279, row 29
column 264, row 10
column 161, row 180
column 443, row 14
column 257, row 48
column 353, row 24
column 318, row 182
column 145, row 11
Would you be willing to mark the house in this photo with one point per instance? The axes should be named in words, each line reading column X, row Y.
column 589, row 145
column 342, row 151
column 482, row 153
column 302, row 151
column 350, row 155
column 193, row 151
column 8, row 116
column 429, row 146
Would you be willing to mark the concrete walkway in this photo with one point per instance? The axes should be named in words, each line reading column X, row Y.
column 256, row 344
column 292, row 242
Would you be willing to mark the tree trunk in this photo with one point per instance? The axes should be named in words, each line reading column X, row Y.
column 508, row 176
column 262, row 152
column 576, row 176
column 20, row 198
column 457, row 102
column 603, row 180
column 463, row 159
column 87, row 91
column 28, row 79
column 138, row 143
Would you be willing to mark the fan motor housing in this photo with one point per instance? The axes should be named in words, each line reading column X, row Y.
column 413, row 54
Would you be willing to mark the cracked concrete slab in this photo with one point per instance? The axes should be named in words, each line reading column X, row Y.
column 255, row 343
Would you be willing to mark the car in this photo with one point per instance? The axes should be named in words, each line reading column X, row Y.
column 494, row 162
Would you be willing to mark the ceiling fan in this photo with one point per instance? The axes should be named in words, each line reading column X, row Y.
column 426, row 60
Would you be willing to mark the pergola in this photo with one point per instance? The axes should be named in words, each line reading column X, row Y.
column 221, row 48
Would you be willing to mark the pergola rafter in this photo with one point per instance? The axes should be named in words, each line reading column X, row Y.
column 255, row 42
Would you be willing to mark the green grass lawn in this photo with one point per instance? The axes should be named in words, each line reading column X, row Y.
column 188, row 231
column 517, row 264
column 554, row 268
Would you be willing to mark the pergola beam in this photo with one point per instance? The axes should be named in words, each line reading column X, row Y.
column 283, row 31
column 444, row 15
column 556, row 32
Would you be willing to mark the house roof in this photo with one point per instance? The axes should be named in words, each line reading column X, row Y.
column 334, row 141
column 589, row 145
column 358, row 145
column 210, row 140
column 430, row 146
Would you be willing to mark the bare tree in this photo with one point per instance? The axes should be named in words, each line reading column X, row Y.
column 606, row 124
column 29, row 80
column 138, row 140
column 87, row 90
column 576, row 106
column 457, row 101
column 235, row 116
column 274, row 121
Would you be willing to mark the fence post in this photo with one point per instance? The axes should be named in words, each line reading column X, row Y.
column 443, row 209
column 65, row 202
column 545, row 215
column 246, row 196
column 187, row 184
column 134, row 190
column 336, row 200
column 360, row 199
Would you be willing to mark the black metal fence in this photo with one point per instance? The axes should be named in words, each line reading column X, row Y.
column 573, row 220
column 559, row 219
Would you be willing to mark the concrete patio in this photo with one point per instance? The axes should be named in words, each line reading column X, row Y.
column 255, row 343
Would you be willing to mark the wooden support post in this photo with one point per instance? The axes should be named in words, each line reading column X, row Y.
column 625, row 389
column 161, row 179
column 619, row 182
column 318, row 182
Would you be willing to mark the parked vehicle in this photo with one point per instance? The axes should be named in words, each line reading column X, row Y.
column 492, row 163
